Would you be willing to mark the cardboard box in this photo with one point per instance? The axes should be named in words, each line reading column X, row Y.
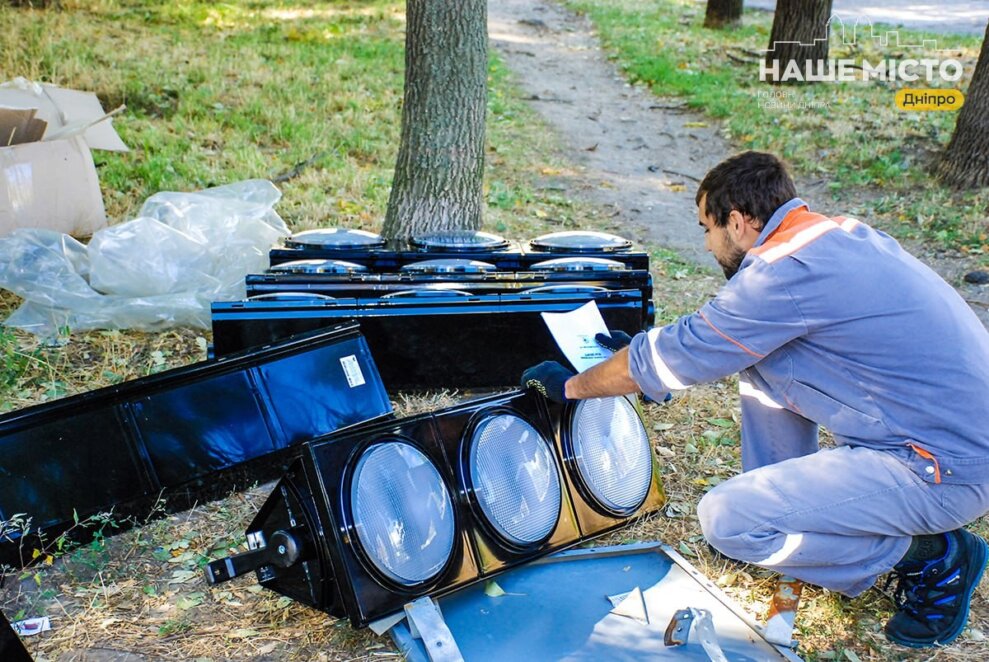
column 47, row 175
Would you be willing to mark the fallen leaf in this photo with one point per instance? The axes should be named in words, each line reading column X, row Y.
column 721, row 422
column 660, row 427
column 242, row 633
column 685, row 550
column 492, row 590
column 189, row 601
column 695, row 125
column 183, row 576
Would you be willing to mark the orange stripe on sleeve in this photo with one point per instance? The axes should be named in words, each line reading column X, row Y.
column 729, row 338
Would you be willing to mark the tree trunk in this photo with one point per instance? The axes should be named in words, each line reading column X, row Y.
column 723, row 13
column 800, row 34
column 965, row 164
column 440, row 166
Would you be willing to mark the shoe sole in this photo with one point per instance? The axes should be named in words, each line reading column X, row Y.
column 983, row 550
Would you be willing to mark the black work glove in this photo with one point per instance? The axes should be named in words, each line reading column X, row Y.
column 616, row 341
column 620, row 340
column 549, row 378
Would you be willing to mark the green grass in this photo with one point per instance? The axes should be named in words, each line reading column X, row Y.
column 850, row 134
column 221, row 92
column 217, row 93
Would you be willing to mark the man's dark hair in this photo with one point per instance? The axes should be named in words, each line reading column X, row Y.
column 754, row 183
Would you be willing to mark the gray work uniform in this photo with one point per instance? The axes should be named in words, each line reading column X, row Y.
column 830, row 322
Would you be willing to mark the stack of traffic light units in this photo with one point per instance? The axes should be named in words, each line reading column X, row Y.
column 445, row 310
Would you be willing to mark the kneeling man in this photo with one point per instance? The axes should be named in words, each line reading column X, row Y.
column 829, row 322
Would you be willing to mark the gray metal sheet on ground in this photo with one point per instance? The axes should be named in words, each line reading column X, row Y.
column 558, row 609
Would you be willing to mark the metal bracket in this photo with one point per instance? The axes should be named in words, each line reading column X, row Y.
column 678, row 631
column 783, row 612
column 426, row 623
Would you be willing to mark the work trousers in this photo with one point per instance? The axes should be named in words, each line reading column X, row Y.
column 838, row 518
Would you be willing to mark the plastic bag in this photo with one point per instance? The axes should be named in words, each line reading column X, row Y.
column 158, row 271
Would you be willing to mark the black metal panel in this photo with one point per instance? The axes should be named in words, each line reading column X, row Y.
column 202, row 427
column 334, row 573
column 11, row 647
column 470, row 342
column 80, row 462
column 117, row 447
column 303, row 401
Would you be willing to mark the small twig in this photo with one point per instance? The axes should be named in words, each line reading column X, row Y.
column 297, row 169
column 536, row 97
column 740, row 60
column 681, row 174
column 173, row 637
column 977, row 303
column 747, row 51
column 672, row 109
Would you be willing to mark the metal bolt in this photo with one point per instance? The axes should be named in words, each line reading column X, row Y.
column 281, row 549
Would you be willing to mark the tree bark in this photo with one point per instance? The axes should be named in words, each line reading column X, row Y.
column 723, row 13
column 800, row 34
column 440, row 166
column 965, row 163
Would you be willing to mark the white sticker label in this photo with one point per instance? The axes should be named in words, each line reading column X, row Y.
column 352, row 369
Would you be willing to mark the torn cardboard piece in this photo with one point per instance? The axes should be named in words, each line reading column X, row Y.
column 47, row 175
column 61, row 108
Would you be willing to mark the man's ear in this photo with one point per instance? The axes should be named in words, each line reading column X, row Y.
column 736, row 224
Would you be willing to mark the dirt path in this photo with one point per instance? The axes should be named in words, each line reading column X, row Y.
column 636, row 158
column 637, row 154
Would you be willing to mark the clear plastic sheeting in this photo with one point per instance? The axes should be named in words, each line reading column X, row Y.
column 158, row 271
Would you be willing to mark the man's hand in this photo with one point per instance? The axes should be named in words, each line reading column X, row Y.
column 619, row 340
column 616, row 341
column 549, row 378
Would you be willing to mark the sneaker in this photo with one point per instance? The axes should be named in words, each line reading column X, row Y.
column 932, row 597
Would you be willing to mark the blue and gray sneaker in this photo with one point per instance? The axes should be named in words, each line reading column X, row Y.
column 932, row 597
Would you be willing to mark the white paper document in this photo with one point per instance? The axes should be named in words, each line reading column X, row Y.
column 574, row 333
